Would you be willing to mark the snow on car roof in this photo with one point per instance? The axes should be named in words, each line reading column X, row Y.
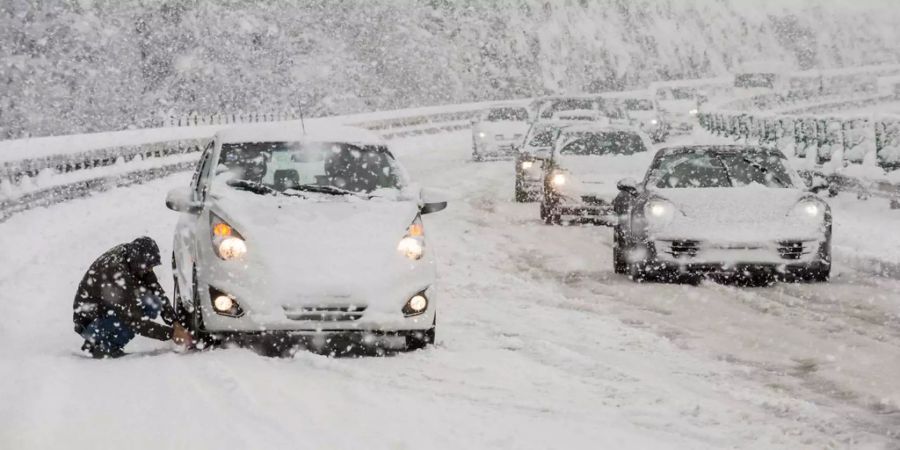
column 287, row 133
column 728, row 148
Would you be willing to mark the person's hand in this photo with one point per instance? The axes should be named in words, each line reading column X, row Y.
column 182, row 337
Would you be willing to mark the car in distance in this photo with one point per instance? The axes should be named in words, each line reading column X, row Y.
column 497, row 130
column 642, row 110
column 579, row 178
column 731, row 210
column 306, row 236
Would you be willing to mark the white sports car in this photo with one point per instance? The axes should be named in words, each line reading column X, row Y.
column 733, row 210
column 303, row 235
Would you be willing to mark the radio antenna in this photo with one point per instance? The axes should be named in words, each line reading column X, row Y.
column 302, row 124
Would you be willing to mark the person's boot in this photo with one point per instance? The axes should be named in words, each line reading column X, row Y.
column 100, row 352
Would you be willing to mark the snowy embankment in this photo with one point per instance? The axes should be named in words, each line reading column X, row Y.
column 540, row 345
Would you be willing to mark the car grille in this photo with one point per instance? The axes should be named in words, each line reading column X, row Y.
column 325, row 313
column 792, row 250
column 683, row 249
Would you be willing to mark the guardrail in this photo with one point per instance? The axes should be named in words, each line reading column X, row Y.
column 170, row 157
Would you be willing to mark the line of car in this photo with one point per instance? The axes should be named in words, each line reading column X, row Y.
column 728, row 211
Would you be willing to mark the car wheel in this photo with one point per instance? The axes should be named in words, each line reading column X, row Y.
column 476, row 157
column 548, row 215
column 194, row 318
column 421, row 339
column 620, row 264
column 521, row 195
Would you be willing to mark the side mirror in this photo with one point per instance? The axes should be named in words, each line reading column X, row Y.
column 432, row 201
column 182, row 200
column 627, row 185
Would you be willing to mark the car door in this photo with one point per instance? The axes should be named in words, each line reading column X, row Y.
column 189, row 229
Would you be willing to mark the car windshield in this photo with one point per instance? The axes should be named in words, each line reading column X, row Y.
column 507, row 115
column 602, row 143
column 285, row 167
column 638, row 104
column 714, row 170
column 541, row 137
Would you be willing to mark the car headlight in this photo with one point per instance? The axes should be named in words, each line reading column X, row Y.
column 654, row 122
column 226, row 241
column 694, row 112
column 413, row 243
column 659, row 213
column 527, row 164
column 482, row 134
column 558, row 179
column 810, row 210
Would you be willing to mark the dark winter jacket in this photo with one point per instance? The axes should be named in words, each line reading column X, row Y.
column 115, row 283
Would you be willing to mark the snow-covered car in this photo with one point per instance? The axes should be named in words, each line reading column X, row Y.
column 497, row 130
column 734, row 210
column 306, row 236
column 579, row 115
column 641, row 109
column 579, row 178
column 531, row 155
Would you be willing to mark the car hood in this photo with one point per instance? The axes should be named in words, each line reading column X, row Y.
column 599, row 175
column 737, row 214
column 324, row 243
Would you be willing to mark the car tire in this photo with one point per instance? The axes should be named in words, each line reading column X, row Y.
column 420, row 340
column 620, row 263
column 548, row 215
column 476, row 157
column 521, row 195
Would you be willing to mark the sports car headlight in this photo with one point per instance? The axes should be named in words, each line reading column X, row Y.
column 413, row 244
column 659, row 213
column 810, row 210
column 226, row 241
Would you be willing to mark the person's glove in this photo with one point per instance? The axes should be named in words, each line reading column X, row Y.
column 167, row 314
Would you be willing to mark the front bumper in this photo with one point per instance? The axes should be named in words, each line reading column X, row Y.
column 705, row 256
column 495, row 149
column 588, row 208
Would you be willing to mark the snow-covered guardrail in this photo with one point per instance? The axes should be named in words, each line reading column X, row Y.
column 854, row 152
column 44, row 171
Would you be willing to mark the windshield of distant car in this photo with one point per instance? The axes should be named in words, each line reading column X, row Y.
column 711, row 170
column 567, row 105
column 601, row 143
column 541, row 137
column 638, row 104
column 507, row 115
column 319, row 167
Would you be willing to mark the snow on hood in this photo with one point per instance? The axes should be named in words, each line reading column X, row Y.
column 321, row 245
column 599, row 175
column 748, row 213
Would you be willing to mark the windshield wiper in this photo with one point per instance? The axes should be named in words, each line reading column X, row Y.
column 254, row 187
column 764, row 170
column 331, row 190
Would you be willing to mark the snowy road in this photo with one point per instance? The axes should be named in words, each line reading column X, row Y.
column 540, row 345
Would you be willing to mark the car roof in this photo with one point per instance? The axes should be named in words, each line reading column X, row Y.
column 292, row 132
column 726, row 149
column 589, row 127
column 507, row 105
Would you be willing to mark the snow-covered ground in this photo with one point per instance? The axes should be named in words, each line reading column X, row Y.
column 540, row 344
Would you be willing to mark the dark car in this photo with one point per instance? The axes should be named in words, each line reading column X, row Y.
column 732, row 210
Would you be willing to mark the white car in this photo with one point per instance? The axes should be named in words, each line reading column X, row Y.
column 731, row 210
column 498, row 130
column 579, row 115
column 579, row 178
column 300, row 235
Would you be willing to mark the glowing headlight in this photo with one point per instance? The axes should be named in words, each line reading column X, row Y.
column 413, row 244
column 415, row 305
column 232, row 248
column 653, row 122
column 227, row 242
column 694, row 112
column 527, row 164
column 482, row 134
column 659, row 213
column 223, row 303
column 558, row 179
column 809, row 210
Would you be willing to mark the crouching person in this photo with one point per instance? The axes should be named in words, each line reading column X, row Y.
column 119, row 297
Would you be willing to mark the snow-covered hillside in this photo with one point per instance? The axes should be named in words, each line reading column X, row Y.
column 101, row 65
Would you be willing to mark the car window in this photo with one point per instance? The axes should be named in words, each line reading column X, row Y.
column 541, row 139
column 567, row 105
column 286, row 165
column 710, row 170
column 602, row 143
column 507, row 114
